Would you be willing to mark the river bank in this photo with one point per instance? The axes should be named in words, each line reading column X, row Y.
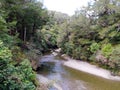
column 89, row 68
column 67, row 78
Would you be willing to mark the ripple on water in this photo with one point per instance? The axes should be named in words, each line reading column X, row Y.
column 70, row 79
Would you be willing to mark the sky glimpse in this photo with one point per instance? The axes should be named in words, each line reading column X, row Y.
column 65, row 6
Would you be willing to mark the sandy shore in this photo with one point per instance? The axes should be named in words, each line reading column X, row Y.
column 88, row 68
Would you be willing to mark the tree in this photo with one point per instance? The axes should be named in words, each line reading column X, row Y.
column 29, row 15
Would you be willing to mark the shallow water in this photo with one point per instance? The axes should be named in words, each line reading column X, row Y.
column 70, row 79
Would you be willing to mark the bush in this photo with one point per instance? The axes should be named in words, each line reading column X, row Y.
column 69, row 48
column 77, row 52
column 14, row 77
column 107, row 50
column 94, row 47
column 115, row 58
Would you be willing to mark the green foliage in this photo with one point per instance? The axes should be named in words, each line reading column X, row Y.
column 23, row 17
column 94, row 47
column 107, row 50
column 29, row 20
column 69, row 48
column 98, row 22
column 2, row 24
column 5, row 53
column 14, row 77
column 115, row 58
column 49, row 36
column 77, row 52
column 27, row 76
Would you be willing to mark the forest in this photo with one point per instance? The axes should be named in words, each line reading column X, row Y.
column 28, row 30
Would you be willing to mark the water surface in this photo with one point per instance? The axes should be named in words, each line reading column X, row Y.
column 70, row 79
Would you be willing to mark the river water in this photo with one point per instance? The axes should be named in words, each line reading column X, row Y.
column 70, row 79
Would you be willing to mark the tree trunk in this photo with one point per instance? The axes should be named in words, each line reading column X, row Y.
column 24, row 34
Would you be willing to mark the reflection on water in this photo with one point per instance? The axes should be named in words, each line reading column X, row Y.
column 70, row 79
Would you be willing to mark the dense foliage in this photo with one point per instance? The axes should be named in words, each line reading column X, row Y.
column 92, row 33
column 27, row 30
column 14, row 77
column 19, row 22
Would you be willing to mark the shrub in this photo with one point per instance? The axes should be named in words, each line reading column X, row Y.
column 77, row 52
column 115, row 58
column 94, row 47
column 107, row 50
column 69, row 48
column 14, row 77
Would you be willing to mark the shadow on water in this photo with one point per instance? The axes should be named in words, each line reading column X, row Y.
column 94, row 82
column 70, row 79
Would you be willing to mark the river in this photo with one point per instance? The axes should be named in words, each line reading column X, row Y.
column 70, row 79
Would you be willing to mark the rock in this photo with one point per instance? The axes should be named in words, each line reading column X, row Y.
column 58, row 50
column 54, row 53
column 65, row 56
